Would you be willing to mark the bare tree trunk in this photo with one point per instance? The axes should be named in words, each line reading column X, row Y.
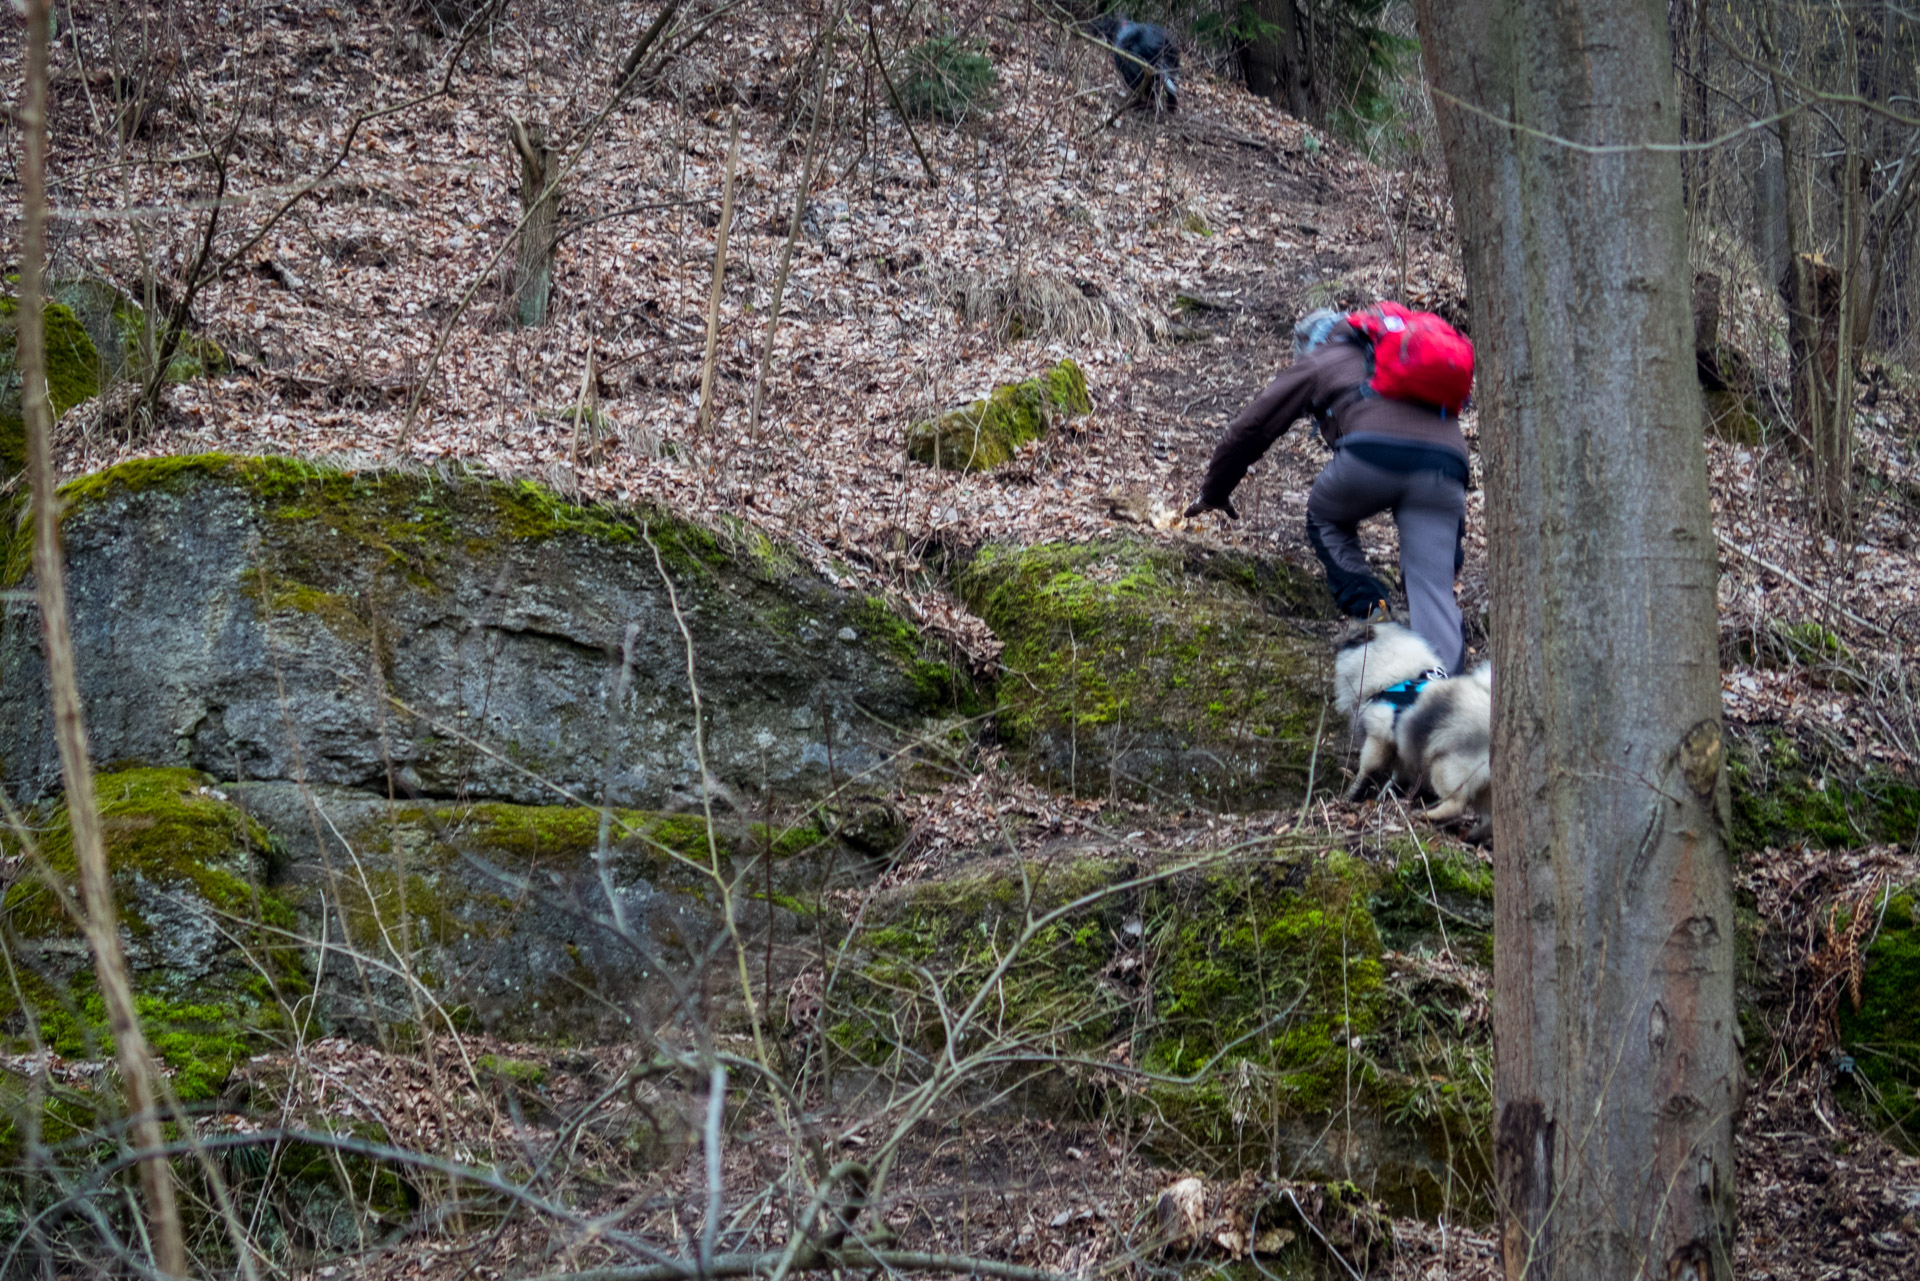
column 540, row 206
column 703, row 420
column 1769, row 229
column 1815, row 293
column 1834, row 467
column 102, row 923
column 631, row 67
column 1618, row 1074
column 1797, row 282
column 1274, row 62
column 1690, row 74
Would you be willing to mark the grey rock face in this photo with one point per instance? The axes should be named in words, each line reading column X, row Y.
column 510, row 923
column 258, row 619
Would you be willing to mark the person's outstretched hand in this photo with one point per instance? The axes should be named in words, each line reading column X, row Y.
column 1202, row 505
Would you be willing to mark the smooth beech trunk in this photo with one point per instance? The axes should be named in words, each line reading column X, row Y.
column 1618, row 1073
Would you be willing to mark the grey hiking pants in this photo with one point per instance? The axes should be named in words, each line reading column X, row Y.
column 1430, row 508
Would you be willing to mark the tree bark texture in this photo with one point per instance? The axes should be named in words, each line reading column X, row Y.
column 1813, row 291
column 1685, row 20
column 1618, row 1072
column 540, row 212
column 1274, row 61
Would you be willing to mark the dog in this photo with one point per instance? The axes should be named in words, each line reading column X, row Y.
column 1146, row 58
column 1426, row 729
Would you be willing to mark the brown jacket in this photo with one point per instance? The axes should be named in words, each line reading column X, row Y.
column 1319, row 380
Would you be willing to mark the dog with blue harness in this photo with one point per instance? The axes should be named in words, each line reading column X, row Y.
column 1429, row 731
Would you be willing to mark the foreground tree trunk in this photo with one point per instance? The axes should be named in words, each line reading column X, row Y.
column 1618, row 1074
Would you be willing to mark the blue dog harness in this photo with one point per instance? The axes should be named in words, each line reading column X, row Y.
column 1404, row 695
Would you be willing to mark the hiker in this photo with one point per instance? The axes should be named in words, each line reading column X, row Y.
column 1386, row 387
column 1145, row 55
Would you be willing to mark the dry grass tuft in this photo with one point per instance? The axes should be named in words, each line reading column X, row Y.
column 1019, row 304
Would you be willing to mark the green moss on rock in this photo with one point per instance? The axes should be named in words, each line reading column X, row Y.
column 414, row 529
column 1437, row 898
column 1136, row 668
column 533, row 834
column 1246, row 1002
column 502, row 911
column 1733, row 417
column 1272, row 975
column 1788, row 793
column 16, row 539
column 1882, row 1033
column 209, row 941
column 945, row 77
column 73, row 375
column 445, row 901
column 941, row 683
column 522, row 1072
column 127, row 344
column 957, row 933
column 94, row 335
column 985, row 434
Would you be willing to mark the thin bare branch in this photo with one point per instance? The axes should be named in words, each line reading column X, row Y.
column 102, row 922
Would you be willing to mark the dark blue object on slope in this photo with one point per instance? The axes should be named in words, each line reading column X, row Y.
column 1142, row 52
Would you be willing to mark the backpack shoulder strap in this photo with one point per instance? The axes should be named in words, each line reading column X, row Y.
column 1323, row 411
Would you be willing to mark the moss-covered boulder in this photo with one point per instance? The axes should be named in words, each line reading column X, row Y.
column 209, row 937
column 126, row 342
column 1788, row 791
column 985, row 434
column 95, row 334
column 1242, row 1010
column 1150, row 671
column 1733, row 417
column 1882, row 1032
column 508, row 919
column 73, row 375
column 449, row 636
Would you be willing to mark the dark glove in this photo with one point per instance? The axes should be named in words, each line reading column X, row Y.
column 1204, row 506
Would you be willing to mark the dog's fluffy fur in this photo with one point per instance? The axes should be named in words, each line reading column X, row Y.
column 1441, row 742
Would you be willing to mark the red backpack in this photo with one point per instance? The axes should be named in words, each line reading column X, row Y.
column 1416, row 356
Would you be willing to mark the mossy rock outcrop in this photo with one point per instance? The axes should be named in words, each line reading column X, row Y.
column 210, row 941
column 95, row 334
column 1788, row 792
column 1159, row 673
column 1882, row 1033
column 504, row 919
column 73, row 375
column 126, row 342
column 1243, row 1011
column 1733, row 417
column 985, row 434
column 449, row 636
